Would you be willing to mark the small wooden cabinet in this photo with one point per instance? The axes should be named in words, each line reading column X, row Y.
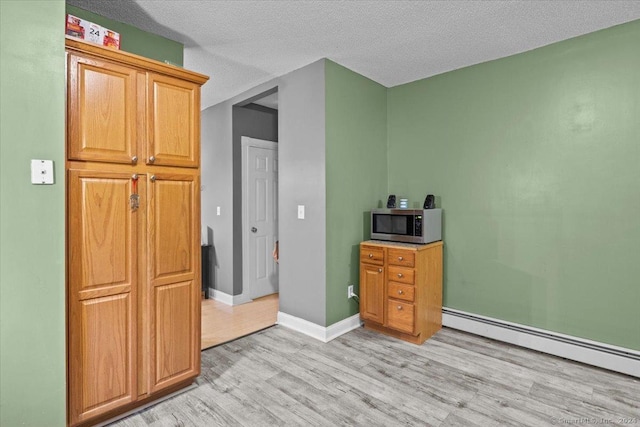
column 401, row 289
column 133, row 230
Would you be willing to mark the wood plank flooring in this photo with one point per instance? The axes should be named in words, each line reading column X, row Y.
column 222, row 323
column 278, row 377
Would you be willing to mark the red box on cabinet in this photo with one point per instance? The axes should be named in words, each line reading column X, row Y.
column 89, row 31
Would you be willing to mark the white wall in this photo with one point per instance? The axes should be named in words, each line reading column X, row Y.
column 301, row 123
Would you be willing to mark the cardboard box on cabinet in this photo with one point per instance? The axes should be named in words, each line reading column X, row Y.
column 91, row 32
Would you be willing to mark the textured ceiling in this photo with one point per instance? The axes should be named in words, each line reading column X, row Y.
column 241, row 44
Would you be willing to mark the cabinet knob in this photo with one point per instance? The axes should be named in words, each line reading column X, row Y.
column 399, row 307
column 379, row 270
column 399, row 274
column 134, row 159
column 400, row 258
column 134, row 177
column 153, row 178
column 370, row 255
column 152, row 159
column 399, row 291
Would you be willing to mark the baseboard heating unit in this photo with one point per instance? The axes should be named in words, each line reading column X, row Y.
column 594, row 353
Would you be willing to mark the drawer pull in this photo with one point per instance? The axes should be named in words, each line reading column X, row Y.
column 399, row 291
column 399, row 307
column 399, row 274
column 370, row 255
column 379, row 270
column 400, row 258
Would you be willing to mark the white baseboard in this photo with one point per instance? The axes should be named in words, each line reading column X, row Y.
column 594, row 353
column 228, row 299
column 342, row 327
column 316, row 331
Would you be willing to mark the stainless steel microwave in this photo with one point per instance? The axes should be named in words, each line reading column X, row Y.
column 407, row 225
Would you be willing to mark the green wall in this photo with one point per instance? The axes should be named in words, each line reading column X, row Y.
column 356, row 176
column 536, row 162
column 134, row 40
column 32, row 323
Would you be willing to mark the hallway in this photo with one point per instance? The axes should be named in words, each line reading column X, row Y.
column 222, row 323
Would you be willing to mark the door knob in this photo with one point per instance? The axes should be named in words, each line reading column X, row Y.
column 254, row 230
column 152, row 159
column 134, row 159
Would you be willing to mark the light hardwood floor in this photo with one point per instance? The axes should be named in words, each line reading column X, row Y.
column 279, row 377
column 222, row 322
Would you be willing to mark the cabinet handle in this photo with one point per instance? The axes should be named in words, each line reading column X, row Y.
column 399, row 274
column 399, row 291
column 400, row 258
column 399, row 307
column 134, row 159
column 370, row 255
column 153, row 178
column 134, row 176
column 379, row 270
column 152, row 159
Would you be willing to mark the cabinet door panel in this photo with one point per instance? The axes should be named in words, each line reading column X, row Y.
column 402, row 275
column 372, row 255
column 401, row 291
column 102, row 110
column 174, row 272
column 102, row 266
column 172, row 225
column 401, row 316
column 174, row 348
column 402, row 257
column 174, row 122
column 106, row 351
column 372, row 292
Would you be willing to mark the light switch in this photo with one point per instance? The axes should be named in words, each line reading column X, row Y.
column 218, row 210
column 41, row 171
column 300, row 211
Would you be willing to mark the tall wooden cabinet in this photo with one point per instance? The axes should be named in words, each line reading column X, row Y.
column 401, row 289
column 133, row 230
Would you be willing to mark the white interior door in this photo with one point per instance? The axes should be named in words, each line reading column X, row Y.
column 260, row 216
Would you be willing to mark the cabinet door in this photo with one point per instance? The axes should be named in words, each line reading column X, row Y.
column 372, row 293
column 101, row 111
column 102, row 274
column 174, row 122
column 174, row 273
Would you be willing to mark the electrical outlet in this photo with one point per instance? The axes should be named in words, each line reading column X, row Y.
column 349, row 291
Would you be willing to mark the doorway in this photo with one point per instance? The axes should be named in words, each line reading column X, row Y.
column 253, row 304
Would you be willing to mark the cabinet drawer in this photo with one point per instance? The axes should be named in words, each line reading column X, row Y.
column 371, row 255
column 402, row 275
column 402, row 257
column 401, row 291
column 401, row 316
